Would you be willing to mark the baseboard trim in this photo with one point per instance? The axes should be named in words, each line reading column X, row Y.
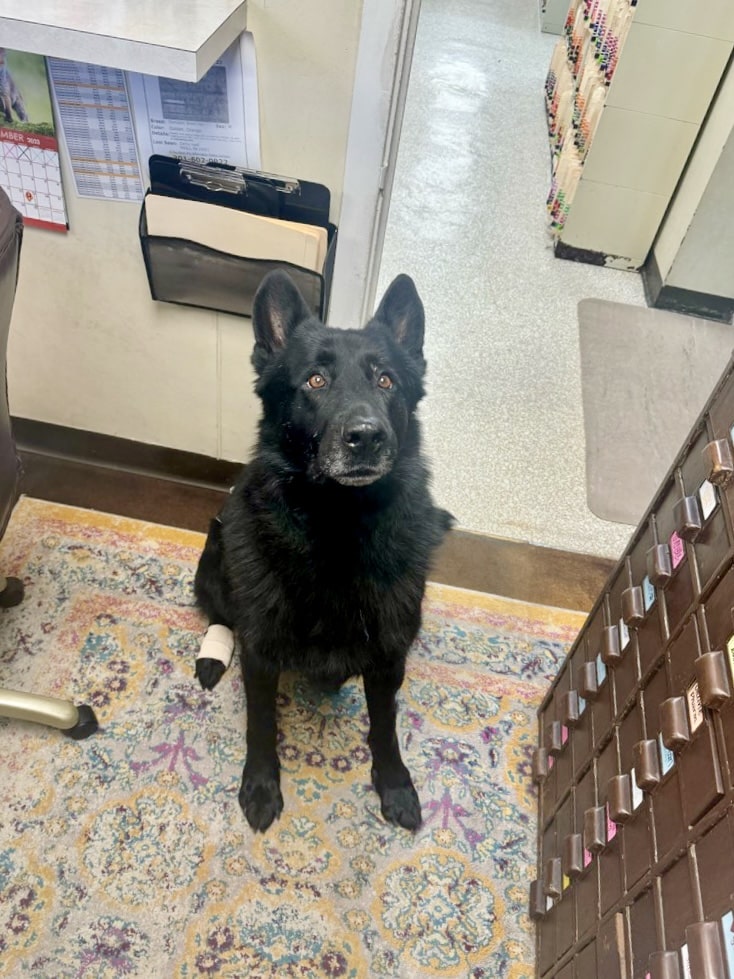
column 692, row 303
column 686, row 301
column 572, row 253
column 186, row 490
column 109, row 451
column 652, row 280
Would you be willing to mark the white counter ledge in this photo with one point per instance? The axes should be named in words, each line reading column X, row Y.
column 173, row 38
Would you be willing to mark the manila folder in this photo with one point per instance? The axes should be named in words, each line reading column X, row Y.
column 237, row 232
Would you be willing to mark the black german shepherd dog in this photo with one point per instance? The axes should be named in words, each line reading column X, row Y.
column 318, row 560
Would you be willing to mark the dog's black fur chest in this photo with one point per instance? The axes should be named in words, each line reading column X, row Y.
column 327, row 578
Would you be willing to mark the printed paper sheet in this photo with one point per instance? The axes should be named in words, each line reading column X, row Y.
column 94, row 111
column 215, row 119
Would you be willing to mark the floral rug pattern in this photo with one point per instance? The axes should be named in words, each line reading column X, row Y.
column 126, row 855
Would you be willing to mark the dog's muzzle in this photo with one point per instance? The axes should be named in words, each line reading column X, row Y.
column 358, row 452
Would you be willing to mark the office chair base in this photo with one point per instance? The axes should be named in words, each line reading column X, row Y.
column 75, row 722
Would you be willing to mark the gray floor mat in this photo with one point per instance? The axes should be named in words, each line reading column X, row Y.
column 645, row 376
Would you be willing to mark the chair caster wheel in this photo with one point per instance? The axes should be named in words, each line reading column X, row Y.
column 85, row 726
column 12, row 593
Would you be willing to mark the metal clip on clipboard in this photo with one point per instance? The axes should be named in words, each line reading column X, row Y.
column 233, row 180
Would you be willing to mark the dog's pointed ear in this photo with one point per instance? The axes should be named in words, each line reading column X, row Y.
column 401, row 310
column 277, row 309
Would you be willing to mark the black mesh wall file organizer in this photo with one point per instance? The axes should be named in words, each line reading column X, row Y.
column 188, row 272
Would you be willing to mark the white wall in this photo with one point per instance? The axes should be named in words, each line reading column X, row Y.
column 705, row 260
column 692, row 189
column 89, row 348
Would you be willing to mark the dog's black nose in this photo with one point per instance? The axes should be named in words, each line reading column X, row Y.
column 363, row 433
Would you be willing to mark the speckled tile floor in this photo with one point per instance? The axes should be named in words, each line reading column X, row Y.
column 503, row 420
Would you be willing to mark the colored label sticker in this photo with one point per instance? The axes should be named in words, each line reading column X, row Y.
column 695, row 707
column 624, row 634
column 564, row 734
column 551, row 762
column 677, row 549
column 588, row 857
column 582, row 702
column 566, row 882
column 611, row 827
column 686, row 963
column 601, row 669
column 667, row 758
column 707, row 498
column 648, row 593
column 548, row 903
column 727, row 928
column 638, row 795
column 730, row 654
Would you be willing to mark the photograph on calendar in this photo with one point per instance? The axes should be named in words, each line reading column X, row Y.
column 30, row 171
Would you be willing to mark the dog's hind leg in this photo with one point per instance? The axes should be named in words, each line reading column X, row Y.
column 399, row 800
column 212, row 597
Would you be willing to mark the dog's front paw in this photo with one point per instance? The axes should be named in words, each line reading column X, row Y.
column 260, row 799
column 399, row 803
column 209, row 672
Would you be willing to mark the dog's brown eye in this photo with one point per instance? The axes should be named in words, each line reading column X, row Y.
column 385, row 382
column 317, row 381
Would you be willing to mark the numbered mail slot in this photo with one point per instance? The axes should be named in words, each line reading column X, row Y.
column 560, row 882
column 656, row 767
column 611, row 949
column 585, row 961
column 642, row 931
column 624, row 609
column 701, row 783
column 704, row 524
column 721, row 431
column 576, row 711
column 596, row 682
column 650, row 568
column 687, row 725
column 557, row 733
column 586, row 877
column 602, row 833
column 544, row 766
column 678, row 903
column 717, row 619
column 543, row 906
column 543, row 911
column 670, row 566
column 714, row 855
column 634, row 809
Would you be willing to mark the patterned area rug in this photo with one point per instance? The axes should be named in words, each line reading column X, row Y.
column 126, row 855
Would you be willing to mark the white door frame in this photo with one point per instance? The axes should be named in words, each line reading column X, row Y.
column 384, row 56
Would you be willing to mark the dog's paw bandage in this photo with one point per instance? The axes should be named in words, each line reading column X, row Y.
column 218, row 643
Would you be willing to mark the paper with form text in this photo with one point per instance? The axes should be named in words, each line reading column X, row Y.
column 213, row 120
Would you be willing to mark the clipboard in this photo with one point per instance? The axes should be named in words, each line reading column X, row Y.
column 218, row 264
